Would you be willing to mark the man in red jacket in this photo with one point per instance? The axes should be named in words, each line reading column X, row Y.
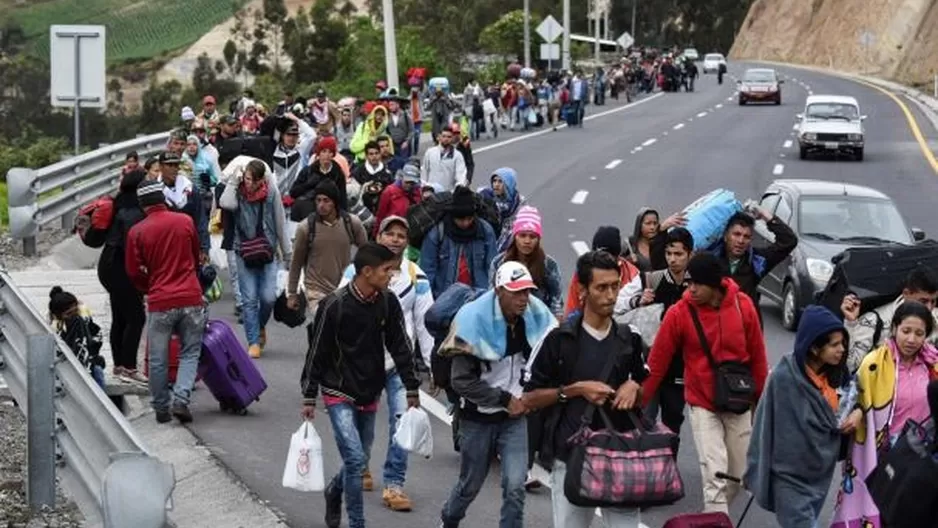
column 729, row 324
column 397, row 198
column 162, row 257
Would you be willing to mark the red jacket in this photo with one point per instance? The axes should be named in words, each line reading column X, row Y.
column 162, row 257
column 395, row 201
column 733, row 332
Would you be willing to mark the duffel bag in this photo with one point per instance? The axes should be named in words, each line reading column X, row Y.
column 708, row 215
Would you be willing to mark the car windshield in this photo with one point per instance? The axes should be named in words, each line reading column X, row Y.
column 714, row 57
column 825, row 111
column 759, row 77
column 846, row 219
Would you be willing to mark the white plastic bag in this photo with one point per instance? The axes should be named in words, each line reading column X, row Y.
column 304, row 470
column 413, row 432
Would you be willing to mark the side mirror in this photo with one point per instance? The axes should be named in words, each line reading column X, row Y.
column 862, row 118
column 739, row 82
column 781, row 81
column 917, row 234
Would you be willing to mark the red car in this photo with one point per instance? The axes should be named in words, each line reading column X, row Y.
column 760, row 85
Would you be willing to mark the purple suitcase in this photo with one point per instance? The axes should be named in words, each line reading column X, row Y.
column 227, row 370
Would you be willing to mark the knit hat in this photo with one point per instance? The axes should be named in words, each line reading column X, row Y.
column 464, row 203
column 527, row 220
column 150, row 193
column 326, row 143
column 706, row 269
column 608, row 238
column 327, row 189
column 192, row 138
column 187, row 114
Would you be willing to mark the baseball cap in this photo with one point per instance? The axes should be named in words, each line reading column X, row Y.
column 391, row 220
column 514, row 276
column 229, row 120
column 208, row 99
column 409, row 173
column 168, row 158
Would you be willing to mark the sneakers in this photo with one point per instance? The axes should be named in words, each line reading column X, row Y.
column 254, row 351
column 181, row 412
column 396, row 500
column 333, row 516
column 263, row 339
column 368, row 483
column 532, row 483
column 163, row 417
column 135, row 376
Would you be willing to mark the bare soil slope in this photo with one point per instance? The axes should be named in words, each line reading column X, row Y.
column 889, row 38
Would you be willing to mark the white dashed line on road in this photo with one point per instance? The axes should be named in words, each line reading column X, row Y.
column 579, row 197
column 810, row 92
column 571, row 220
column 580, row 247
column 795, row 126
column 593, row 178
column 808, row 88
column 729, row 98
column 701, row 114
column 638, row 149
column 778, row 170
column 613, row 164
column 649, row 142
column 788, row 143
column 678, row 126
column 720, row 105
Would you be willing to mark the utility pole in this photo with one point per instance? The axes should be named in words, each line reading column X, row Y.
column 390, row 45
column 634, row 9
column 566, row 35
column 596, row 28
column 527, row 33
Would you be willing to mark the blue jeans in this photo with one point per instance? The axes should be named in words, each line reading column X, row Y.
column 354, row 432
column 479, row 443
column 189, row 324
column 395, row 466
column 97, row 374
column 258, row 295
column 415, row 139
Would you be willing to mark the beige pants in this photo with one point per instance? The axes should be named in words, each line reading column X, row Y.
column 722, row 440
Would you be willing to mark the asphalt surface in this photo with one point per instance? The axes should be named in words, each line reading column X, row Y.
column 663, row 152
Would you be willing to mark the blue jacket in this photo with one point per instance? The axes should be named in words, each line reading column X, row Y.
column 439, row 257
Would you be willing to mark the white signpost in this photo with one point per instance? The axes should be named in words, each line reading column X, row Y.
column 550, row 30
column 625, row 40
column 79, row 69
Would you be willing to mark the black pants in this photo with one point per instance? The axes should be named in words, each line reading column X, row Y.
column 127, row 312
column 670, row 401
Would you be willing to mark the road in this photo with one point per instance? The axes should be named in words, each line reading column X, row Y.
column 662, row 152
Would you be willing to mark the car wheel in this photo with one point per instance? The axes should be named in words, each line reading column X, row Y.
column 802, row 153
column 742, row 102
column 778, row 101
column 791, row 312
column 858, row 154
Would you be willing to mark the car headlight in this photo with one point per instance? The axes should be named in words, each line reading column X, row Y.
column 819, row 270
column 854, row 137
column 810, row 136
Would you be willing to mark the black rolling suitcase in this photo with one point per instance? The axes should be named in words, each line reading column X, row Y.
column 875, row 274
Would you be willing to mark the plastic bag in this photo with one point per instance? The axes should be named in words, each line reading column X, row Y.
column 413, row 432
column 304, row 469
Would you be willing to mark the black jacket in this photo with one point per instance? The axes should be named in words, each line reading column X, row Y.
column 127, row 213
column 309, row 178
column 760, row 261
column 346, row 359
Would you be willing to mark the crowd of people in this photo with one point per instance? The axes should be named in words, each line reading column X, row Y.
column 456, row 280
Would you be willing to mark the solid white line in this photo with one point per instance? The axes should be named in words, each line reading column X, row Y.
column 678, row 126
column 579, row 197
column 563, row 125
column 613, row 164
column 701, row 114
column 787, row 143
column 580, row 247
column 778, row 170
column 649, row 142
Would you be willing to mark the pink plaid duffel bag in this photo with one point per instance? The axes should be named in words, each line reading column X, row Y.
column 607, row 468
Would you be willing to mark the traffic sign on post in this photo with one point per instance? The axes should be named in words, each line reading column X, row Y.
column 79, row 68
column 625, row 40
column 550, row 29
column 550, row 52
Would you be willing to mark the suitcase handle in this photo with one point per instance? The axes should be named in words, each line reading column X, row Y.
column 234, row 372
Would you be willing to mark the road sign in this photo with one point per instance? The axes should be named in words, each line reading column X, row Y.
column 79, row 70
column 550, row 52
column 625, row 40
column 867, row 39
column 550, row 29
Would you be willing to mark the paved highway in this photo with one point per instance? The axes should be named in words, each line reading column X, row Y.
column 662, row 152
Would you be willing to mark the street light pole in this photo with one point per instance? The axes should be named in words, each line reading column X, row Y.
column 390, row 45
column 634, row 6
column 527, row 33
column 566, row 35
column 596, row 28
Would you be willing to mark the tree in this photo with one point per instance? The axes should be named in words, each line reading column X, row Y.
column 203, row 76
column 275, row 13
column 314, row 42
column 230, row 53
column 505, row 36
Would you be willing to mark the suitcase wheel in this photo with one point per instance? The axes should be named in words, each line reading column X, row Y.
column 240, row 411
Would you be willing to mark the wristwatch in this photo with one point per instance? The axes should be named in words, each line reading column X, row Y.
column 561, row 397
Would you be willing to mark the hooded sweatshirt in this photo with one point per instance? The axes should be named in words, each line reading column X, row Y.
column 796, row 439
column 367, row 131
column 733, row 333
column 507, row 204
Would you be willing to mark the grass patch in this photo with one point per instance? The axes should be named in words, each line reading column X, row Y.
column 136, row 29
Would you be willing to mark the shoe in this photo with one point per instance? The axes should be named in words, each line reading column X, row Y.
column 532, row 483
column 133, row 375
column 254, row 351
column 368, row 483
column 263, row 339
column 163, row 417
column 333, row 516
column 238, row 310
column 181, row 412
column 396, row 500
column 118, row 371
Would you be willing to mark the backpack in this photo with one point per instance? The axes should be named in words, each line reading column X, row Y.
column 94, row 221
column 488, row 211
column 438, row 320
column 423, row 216
column 346, row 220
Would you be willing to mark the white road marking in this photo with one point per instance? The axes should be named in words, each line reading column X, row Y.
column 613, row 164
column 638, row 149
column 593, row 178
column 664, row 133
column 649, row 142
column 795, row 126
column 571, row 220
column 810, row 92
column 781, row 155
column 563, row 125
column 580, row 247
column 701, row 114
column 778, row 170
column 579, row 197
column 678, row 126
column 787, row 144
column 720, row 105
column 794, row 79
column 808, row 88
column 729, row 98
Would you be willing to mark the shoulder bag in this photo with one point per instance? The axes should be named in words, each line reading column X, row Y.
column 734, row 386
column 256, row 252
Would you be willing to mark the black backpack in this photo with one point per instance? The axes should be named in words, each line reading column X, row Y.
column 424, row 216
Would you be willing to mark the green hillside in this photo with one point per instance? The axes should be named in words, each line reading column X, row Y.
column 136, row 29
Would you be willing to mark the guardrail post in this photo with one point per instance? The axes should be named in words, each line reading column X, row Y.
column 40, row 421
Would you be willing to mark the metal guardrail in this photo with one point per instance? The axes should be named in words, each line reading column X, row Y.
column 73, row 429
column 38, row 197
